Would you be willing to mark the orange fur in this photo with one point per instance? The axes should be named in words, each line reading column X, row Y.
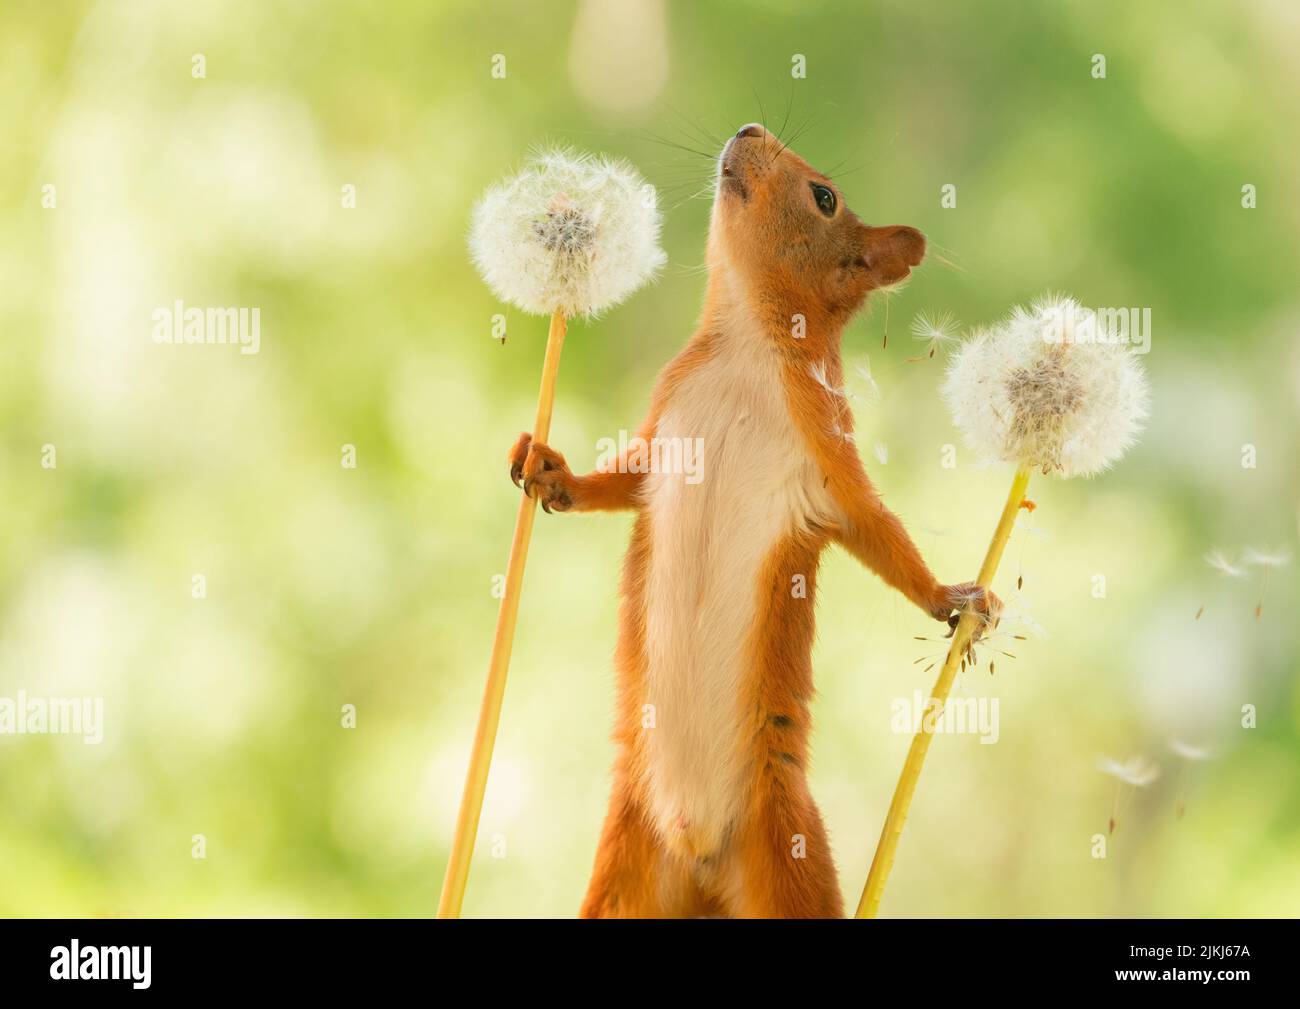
column 772, row 255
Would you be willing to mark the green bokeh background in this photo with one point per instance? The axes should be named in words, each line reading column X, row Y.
column 372, row 586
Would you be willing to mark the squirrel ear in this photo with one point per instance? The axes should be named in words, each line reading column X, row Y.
column 889, row 253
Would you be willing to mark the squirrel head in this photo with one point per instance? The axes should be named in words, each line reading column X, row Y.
column 783, row 228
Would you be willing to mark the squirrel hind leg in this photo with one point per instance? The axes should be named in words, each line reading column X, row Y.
column 635, row 875
column 781, row 865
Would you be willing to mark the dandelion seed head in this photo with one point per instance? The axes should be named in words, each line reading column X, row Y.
column 1030, row 390
column 1137, row 771
column 570, row 231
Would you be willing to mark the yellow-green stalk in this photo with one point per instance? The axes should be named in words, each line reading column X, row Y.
column 569, row 235
column 1044, row 389
column 961, row 639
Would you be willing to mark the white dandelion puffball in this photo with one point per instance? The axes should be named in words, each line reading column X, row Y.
column 571, row 231
column 1046, row 388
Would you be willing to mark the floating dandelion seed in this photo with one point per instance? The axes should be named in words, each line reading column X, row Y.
column 935, row 331
column 1190, row 755
column 840, row 426
column 882, row 453
column 863, row 371
column 1137, row 772
column 1039, row 390
column 1026, row 524
column 1188, row 752
column 820, row 375
column 1267, row 561
column 842, row 434
column 1030, row 623
column 570, row 234
column 888, row 291
column 1219, row 561
column 939, row 328
column 1257, row 558
column 991, row 639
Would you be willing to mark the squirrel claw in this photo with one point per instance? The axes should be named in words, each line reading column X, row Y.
column 518, row 456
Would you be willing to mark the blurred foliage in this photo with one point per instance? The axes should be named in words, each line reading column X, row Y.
column 328, row 586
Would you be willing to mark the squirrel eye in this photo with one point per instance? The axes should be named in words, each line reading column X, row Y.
column 825, row 199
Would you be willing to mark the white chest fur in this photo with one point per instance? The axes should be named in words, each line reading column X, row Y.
column 711, row 542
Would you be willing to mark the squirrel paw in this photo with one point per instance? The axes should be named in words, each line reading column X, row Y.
column 954, row 600
column 542, row 473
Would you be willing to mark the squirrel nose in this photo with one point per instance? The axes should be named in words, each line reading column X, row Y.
column 752, row 130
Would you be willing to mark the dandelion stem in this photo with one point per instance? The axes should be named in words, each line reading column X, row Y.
column 471, row 802
column 906, row 787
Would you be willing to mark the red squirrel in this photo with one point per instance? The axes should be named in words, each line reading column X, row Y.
column 714, row 663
